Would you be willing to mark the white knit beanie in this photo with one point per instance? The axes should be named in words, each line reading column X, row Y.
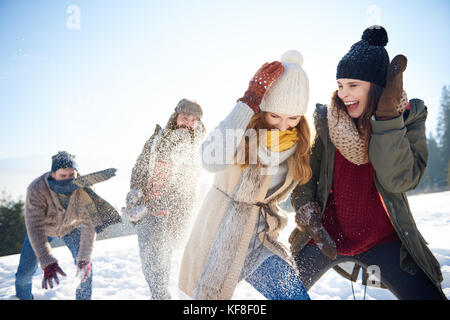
column 289, row 94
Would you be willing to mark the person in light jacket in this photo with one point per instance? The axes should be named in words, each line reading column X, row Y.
column 258, row 153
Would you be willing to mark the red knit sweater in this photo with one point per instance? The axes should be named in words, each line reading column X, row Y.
column 355, row 216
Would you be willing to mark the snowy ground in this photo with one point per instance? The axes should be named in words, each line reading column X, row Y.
column 117, row 270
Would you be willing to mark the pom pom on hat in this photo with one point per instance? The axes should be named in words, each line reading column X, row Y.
column 292, row 56
column 375, row 36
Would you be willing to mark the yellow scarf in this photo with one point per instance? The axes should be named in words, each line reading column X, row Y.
column 280, row 141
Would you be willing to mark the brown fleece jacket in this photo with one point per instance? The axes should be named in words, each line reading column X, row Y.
column 45, row 216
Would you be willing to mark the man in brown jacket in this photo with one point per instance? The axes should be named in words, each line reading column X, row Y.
column 56, row 207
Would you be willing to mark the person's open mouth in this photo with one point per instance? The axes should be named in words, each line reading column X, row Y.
column 352, row 105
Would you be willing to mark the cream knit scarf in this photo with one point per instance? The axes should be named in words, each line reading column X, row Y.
column 345, row 136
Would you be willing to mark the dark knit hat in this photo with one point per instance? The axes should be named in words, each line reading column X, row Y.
column 367, row 59
column 63, row 159
column 189, row 107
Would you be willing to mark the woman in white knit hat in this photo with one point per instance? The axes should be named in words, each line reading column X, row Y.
column 259, row 153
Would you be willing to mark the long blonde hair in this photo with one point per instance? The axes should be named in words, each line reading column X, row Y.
column 302, row 168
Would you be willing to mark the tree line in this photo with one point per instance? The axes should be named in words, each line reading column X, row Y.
column 437, row 174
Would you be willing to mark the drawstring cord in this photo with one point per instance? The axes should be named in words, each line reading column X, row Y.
column 256, row 231
column 263, row 207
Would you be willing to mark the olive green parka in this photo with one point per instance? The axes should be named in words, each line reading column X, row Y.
column 398, row 152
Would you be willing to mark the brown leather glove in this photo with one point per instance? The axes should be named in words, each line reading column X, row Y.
column 308, row 220
column 260, row 83
column 392, row 94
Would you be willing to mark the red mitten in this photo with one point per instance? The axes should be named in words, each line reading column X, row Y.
column 260, row 83
column 50, row 272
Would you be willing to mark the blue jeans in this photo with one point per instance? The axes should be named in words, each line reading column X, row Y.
column 28, row 265
column 275, row 279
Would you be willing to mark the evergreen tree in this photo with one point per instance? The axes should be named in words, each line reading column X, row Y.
column 433, row 175
column 12, row 225
column 444, row 134
column 437, row 174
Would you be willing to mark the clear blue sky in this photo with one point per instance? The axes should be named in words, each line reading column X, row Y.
column 99, row 90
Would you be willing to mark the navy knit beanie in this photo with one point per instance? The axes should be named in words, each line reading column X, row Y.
column 63, row 159
column 367, row 59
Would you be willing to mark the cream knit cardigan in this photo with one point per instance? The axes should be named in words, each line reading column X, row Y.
column 215, row 253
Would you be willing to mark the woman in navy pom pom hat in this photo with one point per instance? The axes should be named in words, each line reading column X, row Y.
column 369, row 150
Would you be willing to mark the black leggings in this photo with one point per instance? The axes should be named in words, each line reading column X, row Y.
column 312, row 265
